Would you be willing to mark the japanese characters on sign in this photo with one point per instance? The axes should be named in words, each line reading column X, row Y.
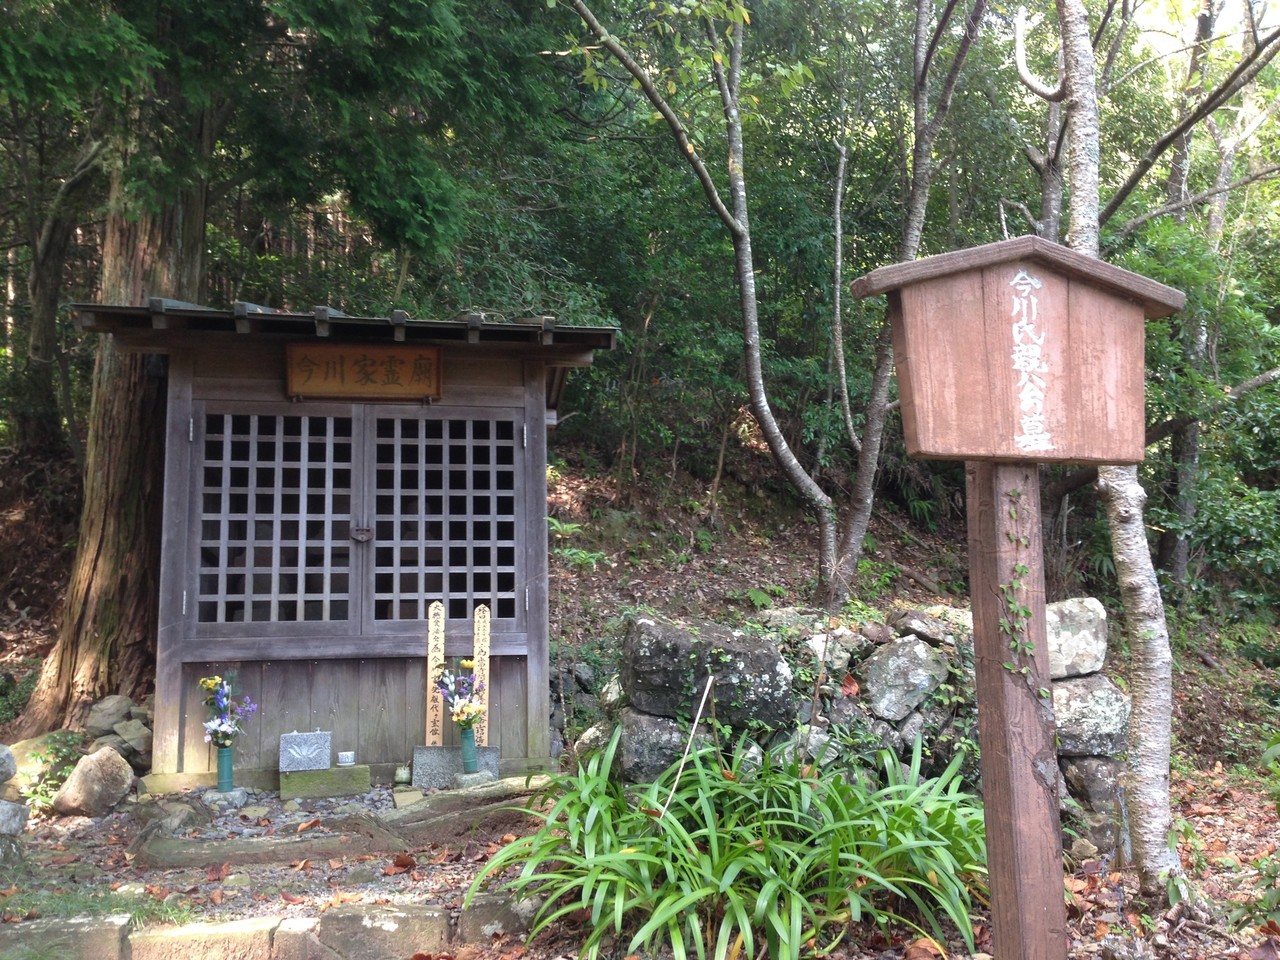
column 1029, row 363
column 435, row 664
column 481, row 658
column 362, row 371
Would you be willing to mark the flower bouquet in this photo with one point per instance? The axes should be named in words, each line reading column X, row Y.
column 461, row 691
column 229, row 715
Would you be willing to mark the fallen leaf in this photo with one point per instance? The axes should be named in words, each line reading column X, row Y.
column 299, row 865
column 308, row 824
column 404, row 860
column 923, row 949
column 335, row 863
column 10, row 892
column 215, row 897
column 391, row 870
column 1265, row 951
column 509, row 838
column 288, row 897
column 849, row 686
column 157, row 891
column 63, row 860
column 1101, row 929
column 218, row 874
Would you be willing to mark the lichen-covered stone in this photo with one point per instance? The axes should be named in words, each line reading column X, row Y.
column 8, row 764
column 665, row 667
column 1077, row 635
column 334, row 782
column 13, row 818
column 1092, row 716
column 901, row 675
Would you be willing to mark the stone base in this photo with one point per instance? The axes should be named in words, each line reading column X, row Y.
column 435, row 767
column 462, row 781
column 235, row 798
column 334, row 782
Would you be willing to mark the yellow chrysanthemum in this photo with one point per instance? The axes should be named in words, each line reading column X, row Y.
column 468, row 664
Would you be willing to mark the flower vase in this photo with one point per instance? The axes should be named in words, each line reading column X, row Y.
column 225, row 780
column 470, row 762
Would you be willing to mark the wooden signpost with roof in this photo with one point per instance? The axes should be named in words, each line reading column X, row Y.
column 1011, row 355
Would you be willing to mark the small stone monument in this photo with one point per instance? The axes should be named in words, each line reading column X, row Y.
column 305, row 751
column 306, row 769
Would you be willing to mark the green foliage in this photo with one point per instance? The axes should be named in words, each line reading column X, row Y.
column 760, row 598
column 56, row 764
column 736, row 857
column 14, row 695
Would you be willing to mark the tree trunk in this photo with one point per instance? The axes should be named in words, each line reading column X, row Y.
column 1151, row 688
column 1150, row 681
column 107, row 641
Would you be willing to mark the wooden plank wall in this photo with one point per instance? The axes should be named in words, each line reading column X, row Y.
column 374, row 706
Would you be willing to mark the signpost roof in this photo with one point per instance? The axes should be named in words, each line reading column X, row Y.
column 1157, row 300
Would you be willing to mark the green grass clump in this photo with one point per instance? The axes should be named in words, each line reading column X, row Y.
column 732, row 855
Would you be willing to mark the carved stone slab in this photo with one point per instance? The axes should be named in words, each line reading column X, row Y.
column 306, row 751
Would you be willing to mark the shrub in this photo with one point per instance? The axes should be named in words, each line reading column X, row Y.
column 730, row 856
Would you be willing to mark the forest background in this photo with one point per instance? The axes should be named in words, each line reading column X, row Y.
column 593, row 163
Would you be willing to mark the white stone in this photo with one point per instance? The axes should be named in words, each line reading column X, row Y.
column 13, row 818
column 1077, row 635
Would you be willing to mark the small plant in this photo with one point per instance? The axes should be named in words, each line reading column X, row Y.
column 57, row 760
column 579, row 559
column 229, row 714
column 746, row 856
column 760, row 598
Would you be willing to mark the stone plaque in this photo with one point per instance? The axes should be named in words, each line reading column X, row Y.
column 305, row 751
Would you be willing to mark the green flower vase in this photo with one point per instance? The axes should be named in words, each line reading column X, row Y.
column 470, row 761
column 225, row 781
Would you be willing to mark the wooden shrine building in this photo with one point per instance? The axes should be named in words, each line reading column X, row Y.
column 327, row 478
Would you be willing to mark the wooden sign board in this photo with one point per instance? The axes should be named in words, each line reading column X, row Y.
column 1010, row 355
column 360, row 371
column 1020, row 351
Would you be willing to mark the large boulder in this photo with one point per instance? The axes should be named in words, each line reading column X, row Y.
column 106, row 713
column 1092, row 716
column 98, row 782
column 8, row 764
column 901, row 675
column 665, row 666
column 1077, row 634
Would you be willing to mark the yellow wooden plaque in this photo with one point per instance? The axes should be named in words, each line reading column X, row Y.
column 362, row 371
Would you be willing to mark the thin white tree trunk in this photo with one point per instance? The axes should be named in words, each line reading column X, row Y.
column 1151, row 680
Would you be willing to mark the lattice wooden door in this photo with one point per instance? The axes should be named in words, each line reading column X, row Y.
column 355, row 516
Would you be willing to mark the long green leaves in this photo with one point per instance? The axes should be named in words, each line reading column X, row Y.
column 747, row 855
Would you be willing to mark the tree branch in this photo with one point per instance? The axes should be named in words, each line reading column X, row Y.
column 1244, row 73
column 641, row 76
column 1266, row 173
column 1043, row 91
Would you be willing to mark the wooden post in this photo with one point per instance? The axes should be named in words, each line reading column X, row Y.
column 480, row 654
column 434, row 735
column 1015, row 712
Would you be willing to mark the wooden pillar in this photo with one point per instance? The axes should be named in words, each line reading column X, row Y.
column 1015, row 712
